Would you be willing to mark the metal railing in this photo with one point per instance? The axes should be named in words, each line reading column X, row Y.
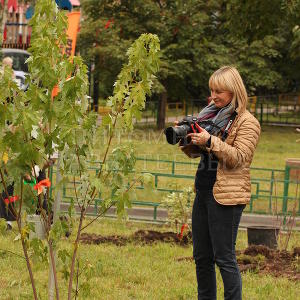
column 277, row 109
column 271, row 109
column 272, row 190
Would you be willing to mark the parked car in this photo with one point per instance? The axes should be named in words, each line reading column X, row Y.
column 19, row 66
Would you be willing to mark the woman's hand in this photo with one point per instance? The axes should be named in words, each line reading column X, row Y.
column 186, row 150
column 192, row 151
column 200, row 138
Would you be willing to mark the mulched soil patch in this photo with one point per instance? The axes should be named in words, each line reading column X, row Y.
column 140, row 236
column 264, row 260
column 93, row 238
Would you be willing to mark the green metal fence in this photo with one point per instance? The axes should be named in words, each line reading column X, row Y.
column 276, row 109
column 269, row 109
column 272, row 190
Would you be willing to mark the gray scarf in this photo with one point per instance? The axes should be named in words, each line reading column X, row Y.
column 214, row 119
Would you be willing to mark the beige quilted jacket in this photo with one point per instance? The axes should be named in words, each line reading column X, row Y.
column 235, row 155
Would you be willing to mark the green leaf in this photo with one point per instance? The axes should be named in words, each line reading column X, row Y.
column 147, row 180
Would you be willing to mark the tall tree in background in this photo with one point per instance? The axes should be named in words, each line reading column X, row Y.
column 293, row 15
column 109, row 27
column 267, row 30
column 197, row 37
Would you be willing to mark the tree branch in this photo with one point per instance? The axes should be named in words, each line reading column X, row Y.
column 106, row 152
column 16, row 254
column 76, row 243
column 76, row 193
column 54, row 269
column 77, row 279
column 112, row 204
column 27, row 261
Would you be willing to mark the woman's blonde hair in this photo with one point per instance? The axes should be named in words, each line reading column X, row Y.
column 228, row 78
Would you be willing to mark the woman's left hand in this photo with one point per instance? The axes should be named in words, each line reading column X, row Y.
column 199, row 138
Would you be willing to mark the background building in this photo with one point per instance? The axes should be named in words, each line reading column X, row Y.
column 16, row 15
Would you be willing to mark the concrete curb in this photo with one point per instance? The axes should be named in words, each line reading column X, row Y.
column 147, row 215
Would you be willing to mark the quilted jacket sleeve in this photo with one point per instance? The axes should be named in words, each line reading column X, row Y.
column 241, row 151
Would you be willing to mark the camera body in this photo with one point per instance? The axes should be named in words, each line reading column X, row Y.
column 179, row 133
column 191, row 124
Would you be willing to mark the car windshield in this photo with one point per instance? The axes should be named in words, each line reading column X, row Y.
column 18, row 61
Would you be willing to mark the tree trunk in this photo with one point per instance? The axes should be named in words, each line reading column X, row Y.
column 161, row 113
column 96, row 93
column 96, row 82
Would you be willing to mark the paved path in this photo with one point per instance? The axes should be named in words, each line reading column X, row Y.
column 147, row 215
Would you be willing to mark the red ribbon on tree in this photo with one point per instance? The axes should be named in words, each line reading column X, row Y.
column 107, row 25
column 183, row 227
column 11, row 199
column 43, row 183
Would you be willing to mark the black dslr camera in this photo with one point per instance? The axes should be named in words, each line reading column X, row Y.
column 191, row 124
column 179, row 133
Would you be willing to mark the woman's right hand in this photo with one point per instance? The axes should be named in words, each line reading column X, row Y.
column 190, row 150
column 186, row 150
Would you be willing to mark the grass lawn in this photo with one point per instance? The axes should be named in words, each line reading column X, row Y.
column 153, row 272
column 135, row 271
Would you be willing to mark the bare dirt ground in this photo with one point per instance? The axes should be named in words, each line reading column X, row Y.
column 140, row 236
column 263, row 260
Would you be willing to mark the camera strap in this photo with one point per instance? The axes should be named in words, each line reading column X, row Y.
column 226, row 130
column 210, row 123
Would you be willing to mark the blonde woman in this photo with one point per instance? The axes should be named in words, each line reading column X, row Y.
column 222, row 183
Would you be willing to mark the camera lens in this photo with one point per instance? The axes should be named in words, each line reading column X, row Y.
column 175, row 134
column 171, row 136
